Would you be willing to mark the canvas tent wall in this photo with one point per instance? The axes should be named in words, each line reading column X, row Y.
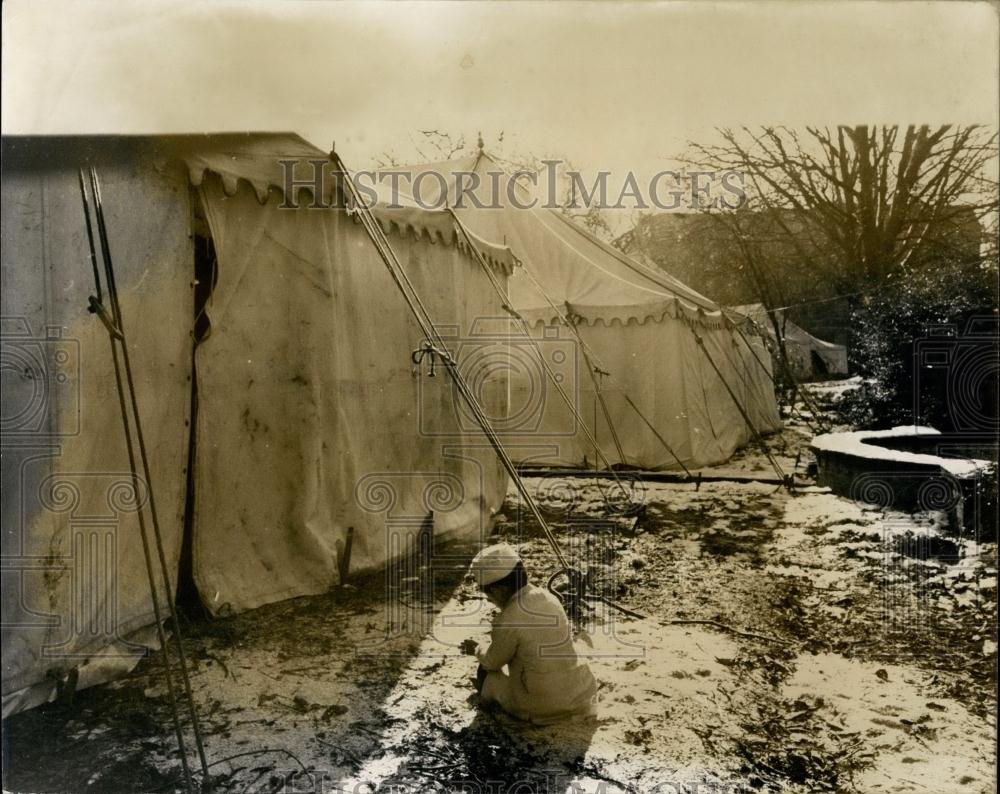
column 311, row 416
column 640, row 323
column 808, row 356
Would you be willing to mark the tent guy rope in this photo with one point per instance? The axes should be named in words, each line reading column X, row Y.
column 786, row 480
column 134, row 438
column 398, row 274
column 402, row 281
column 798, row 387
column 541, row 358
column 564, row 319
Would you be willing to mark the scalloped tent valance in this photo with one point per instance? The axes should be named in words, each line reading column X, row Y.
column 570, row 265
column 636, row 314
column 304, row 389
column 258, row 163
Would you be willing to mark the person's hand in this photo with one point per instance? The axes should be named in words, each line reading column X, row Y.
column 469, row 647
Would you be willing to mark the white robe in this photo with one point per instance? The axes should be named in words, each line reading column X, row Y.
column 547, row 682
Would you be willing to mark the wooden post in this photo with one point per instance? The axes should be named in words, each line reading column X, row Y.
column 344, row 558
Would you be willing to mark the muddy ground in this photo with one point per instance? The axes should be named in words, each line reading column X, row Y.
column 789, row 642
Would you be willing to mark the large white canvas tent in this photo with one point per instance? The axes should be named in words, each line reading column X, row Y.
column 637, row 323
column 310, row 416
column 808, row 356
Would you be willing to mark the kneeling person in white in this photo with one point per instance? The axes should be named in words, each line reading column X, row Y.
column 532, row 636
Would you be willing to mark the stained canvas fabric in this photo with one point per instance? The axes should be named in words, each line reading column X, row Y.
column 75, row 588
column 659, row 367
column 313, row 420
column 307, row 379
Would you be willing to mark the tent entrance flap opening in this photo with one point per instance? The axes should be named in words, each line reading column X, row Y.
column 205, row 275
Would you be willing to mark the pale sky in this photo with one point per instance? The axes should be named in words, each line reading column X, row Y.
column 613, row 86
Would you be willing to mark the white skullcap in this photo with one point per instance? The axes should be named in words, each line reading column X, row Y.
column 494, row 562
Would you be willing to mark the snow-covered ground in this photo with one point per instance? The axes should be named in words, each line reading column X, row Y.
column 791, row 642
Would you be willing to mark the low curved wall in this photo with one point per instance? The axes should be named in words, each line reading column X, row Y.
column 883, row 467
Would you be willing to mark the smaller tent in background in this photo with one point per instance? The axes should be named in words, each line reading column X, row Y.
column 810, row 358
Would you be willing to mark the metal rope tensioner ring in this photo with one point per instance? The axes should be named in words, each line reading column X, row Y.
column 429, row 351
column 574, row 594
column 570, row 592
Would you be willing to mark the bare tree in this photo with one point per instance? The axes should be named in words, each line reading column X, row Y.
column 860, row 204
column 844, row 212
column 428, row 146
